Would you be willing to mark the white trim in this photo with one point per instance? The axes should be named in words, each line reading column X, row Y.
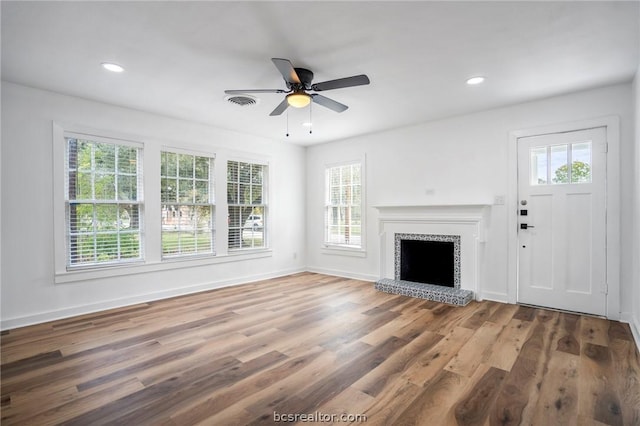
column 331, row 249
column 108, row 271
column 493, row 296
column 634, row 325
column 344, row 274
column 612, row 125
column 148, row 297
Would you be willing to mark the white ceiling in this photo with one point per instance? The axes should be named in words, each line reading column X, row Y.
column 181, row 56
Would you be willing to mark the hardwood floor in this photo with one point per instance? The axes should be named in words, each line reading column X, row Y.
column 311, row 343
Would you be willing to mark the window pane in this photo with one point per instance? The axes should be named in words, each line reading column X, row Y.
column 84, row 155
column 244, row 172
column 169, row 166
column 169, row 190
column 127, row 188
column 539, row 166
column 185, row 165
column 335, row 176
column 189, row 231
column 83, row 187
column 245, row 194
column 106, row 217
column 129, row 217
column 581, row 162
column 559, row 164
column 105, row 157
column 256, row 173
column 202, row 168
column 356, row 196
column 202, row 192
column 127, row 160
column 232, row 171
column 232, row 193
column 335, row 195
column 185, row 190
column 105, row 187
column 256, row 194
column 355, row 170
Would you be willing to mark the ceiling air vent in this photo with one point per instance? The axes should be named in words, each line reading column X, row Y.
column 242, row 100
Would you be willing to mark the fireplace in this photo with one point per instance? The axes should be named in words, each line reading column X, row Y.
column 444, row 243
column 428, row 259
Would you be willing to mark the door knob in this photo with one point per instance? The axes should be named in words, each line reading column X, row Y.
column 525, row 226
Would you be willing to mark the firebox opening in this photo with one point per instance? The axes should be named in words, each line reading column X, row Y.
column 429, row 262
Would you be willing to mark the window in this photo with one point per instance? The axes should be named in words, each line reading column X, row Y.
column 187, row 198
column 103, row 202
column 246, row 197
column 550, row 164
column 343, row 205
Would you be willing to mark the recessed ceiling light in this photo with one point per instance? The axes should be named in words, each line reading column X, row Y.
column 112, row 67
column 475, row 80
column 307, row 124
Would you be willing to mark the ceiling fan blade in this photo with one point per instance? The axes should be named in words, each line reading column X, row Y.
column 280, row 108
column 328, row 103
column 238, row 92
column 356, row 80
column 286, row 69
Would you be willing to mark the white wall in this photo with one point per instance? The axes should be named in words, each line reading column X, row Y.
column 460, row 160
column 29, row 293
column 635, row 280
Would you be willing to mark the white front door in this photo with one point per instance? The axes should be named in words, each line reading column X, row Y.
column 562, row 220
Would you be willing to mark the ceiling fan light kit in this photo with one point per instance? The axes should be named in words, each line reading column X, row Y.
column 298, row 99
column 298, row 82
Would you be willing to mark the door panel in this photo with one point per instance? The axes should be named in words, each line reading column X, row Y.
column 562, row 248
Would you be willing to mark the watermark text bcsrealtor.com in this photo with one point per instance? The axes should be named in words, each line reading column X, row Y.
column 318, row 417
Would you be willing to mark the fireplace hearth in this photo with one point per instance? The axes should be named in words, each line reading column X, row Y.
column 427, row 266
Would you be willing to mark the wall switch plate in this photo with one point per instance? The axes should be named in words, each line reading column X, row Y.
column 498, row 200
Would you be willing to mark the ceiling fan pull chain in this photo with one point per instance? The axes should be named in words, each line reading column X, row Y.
column 287, row 123
column 310, row 118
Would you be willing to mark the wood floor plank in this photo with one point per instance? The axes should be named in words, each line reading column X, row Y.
column 309, row 343
column 476, row 350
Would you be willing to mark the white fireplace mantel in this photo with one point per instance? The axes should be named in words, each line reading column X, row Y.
column 466, row 220
column 436, row 213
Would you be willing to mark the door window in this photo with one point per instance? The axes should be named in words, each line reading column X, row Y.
column 560, row 164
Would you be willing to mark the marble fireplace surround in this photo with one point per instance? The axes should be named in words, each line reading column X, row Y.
column 468, row 221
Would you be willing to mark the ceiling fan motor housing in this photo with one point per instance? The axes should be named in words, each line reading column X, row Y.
column 305, row 76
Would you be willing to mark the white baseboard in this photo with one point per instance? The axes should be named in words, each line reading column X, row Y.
column 39, row 318
column 634, row 325
column 493, row 296
column 345, row 274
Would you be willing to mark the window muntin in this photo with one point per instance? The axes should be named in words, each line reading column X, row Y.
column 550, row 164
column 188, row 204
column 246, row 199
column 343, row 205
column 103, row 202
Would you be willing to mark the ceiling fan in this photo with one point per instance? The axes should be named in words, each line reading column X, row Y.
column 298, row 82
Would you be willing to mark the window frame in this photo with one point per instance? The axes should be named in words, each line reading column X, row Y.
column 211, row 180
column 332, row 248
column 266, row 170
column 68, row 202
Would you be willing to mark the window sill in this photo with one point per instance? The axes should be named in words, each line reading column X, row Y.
column 164, row 265
column 343, row 251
